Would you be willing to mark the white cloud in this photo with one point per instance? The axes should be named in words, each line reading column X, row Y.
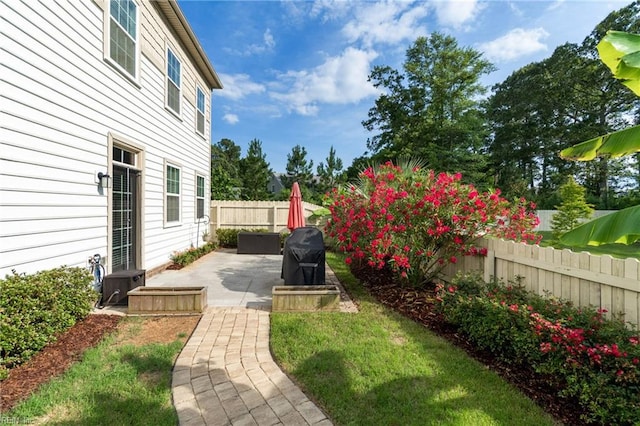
column 386, row 22
column 456, row 12
column 267, row 45
column 238, row 86
column 339, row 80
column 231, row 118
column 515, row 44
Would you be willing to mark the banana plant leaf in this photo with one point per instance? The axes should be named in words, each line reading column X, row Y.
column 620, row 52
column 620, row 227
column 616, row 144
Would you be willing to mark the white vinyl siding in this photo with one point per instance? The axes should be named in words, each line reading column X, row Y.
column 200, row 190
column 201, row 107
column 60, row 101
column 123, row 35
column 173, row 82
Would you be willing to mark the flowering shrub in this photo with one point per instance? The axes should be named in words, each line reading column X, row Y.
column 593, row 359
column 418, row 221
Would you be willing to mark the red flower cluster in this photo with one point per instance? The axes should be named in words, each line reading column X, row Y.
column 574, row 345
column 418, row 221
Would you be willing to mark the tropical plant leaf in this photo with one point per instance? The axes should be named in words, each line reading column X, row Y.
column 616, row 144
column 620, row 52
column 620, row 227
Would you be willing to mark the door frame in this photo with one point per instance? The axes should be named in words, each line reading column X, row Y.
column 115, row 140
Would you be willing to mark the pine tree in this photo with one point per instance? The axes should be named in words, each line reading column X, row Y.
column 572, row 210
column 255, row 173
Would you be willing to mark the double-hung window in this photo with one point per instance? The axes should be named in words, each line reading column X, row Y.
column 123, row 35
column 199, row 197
column 201, row 107
column 172, row 197
column 173, row 82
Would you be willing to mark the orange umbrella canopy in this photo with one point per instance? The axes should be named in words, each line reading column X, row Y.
column 296, row 215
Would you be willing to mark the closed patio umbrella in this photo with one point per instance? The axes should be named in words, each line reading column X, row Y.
column 296, row 215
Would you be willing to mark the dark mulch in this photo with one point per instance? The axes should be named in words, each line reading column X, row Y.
column 55, row 358
column 419, row 306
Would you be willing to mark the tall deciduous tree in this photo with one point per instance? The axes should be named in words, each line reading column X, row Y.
column 329, row 174
column 432, row 109
column 225, row 166
column 255, row 173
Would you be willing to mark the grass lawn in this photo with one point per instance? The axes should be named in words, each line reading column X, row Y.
column 379, row 368
column 616, row 250
column 117, row 382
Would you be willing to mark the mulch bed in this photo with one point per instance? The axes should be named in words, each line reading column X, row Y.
column 55, row 358
column 418, row 305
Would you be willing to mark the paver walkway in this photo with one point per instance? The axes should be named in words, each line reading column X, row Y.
column 225, row 375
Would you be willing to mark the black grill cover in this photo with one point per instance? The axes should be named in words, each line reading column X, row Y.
column 303, row 257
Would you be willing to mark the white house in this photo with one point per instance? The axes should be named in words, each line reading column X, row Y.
column 90, row 88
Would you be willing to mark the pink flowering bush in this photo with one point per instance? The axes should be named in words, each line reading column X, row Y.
column 591, row 358
column 417, row 221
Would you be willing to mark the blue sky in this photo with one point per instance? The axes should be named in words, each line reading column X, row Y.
column 295, row 72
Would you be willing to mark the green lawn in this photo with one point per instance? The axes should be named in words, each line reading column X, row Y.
column 114, row 384
column 616, row 250
column 379, row 368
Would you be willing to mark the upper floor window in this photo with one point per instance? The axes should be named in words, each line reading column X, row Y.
column 173, row 82
column 201, row 107
column 123, row 35
column 199, row 197
column 172, row 191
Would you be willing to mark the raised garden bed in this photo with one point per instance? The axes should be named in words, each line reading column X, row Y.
column 305, row 298
column 167, row 300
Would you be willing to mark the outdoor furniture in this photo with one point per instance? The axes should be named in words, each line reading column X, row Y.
column 303, row 257
column 258, row 243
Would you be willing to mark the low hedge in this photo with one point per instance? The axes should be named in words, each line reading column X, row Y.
column 590, row 358
column 35, row 308
column 185, row 257
column 228, row 238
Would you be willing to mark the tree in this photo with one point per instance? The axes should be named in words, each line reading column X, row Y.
column 255, row 173
column 225, row 166
column 329, row 175
column 298, row 169
column 621, row 53
column 432, row 110
column 572, row 210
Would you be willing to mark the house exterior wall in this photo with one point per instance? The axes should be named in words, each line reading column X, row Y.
column 64, row 106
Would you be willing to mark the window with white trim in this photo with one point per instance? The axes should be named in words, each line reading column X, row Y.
column 123, row 35
column 173, row 81
column 200, row 197
column 201, row 107
column 172, row 194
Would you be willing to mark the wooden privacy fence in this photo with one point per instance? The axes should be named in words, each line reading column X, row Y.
column 585, row 279
column 271, row 215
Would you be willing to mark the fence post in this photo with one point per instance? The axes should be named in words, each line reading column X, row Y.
column 275, row 217
column 489, row 266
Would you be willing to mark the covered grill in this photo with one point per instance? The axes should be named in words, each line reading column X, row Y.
column 303, row 257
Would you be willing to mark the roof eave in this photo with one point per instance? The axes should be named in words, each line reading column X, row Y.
column 183, row 30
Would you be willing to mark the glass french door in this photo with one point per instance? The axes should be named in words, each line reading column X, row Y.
column 124, row 216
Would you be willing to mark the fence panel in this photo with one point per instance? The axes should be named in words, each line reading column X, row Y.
column 583, row 278
column 271, row 215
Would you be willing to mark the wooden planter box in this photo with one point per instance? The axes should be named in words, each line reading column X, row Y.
column 167, row 300
column 305, row 298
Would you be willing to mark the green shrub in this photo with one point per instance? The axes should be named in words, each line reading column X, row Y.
column 590, row 358
column 34, row 308
column 185, row 257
